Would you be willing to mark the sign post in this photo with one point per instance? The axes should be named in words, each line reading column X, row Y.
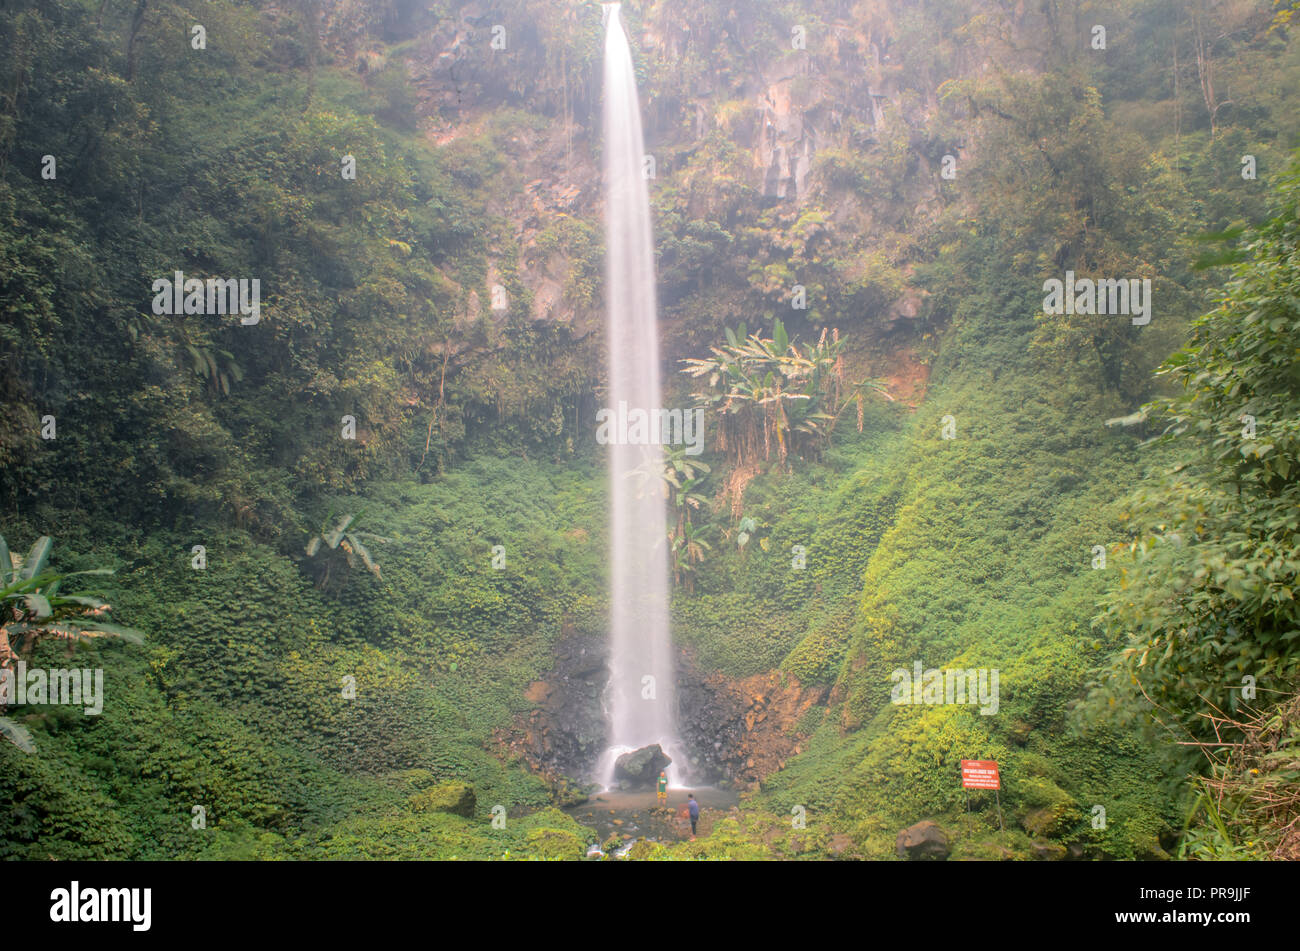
column 983, row 774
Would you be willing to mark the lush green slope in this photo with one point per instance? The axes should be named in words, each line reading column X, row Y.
column 238, row 703
column 973, row 552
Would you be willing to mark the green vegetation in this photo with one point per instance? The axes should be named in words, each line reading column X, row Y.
column 239, row 702
column 350, row 544
column 1207, row 592
column 768, row 395
column 325, row 685
column 1207, row 595
column 33, row 608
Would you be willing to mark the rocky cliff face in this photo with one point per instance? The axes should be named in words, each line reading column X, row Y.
column 776, row 96
column 735, row 732
column 785, row 154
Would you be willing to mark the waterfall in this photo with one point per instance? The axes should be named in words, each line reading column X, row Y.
column 640, row 645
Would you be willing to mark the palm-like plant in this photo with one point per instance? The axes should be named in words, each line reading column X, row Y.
column 340, row 539
column 682, row 475
column 772, row 394
column 679, row 476
column 217, row 367
column 675, row 474
column 687, row 548
column 33, row 607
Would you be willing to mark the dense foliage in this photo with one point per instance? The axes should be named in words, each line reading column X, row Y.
column 770, row 397
column 354, row 532
column 1208, row 596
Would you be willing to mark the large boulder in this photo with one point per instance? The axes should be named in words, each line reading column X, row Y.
column 640, row 768
column 924, row 841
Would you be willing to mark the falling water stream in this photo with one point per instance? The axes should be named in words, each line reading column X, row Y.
column 639, row 701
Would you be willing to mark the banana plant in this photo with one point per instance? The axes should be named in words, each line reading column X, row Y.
column 217, row 367
column 683, row 465
column 668, row 473
column 774, row 394
column 684, row 498
column 33, row 607
column 687, row 548
column 682, row 476
column 350, row 543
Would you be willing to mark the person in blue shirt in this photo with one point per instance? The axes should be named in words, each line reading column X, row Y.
column 694, row 805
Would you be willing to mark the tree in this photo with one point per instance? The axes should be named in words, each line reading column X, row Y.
column 1207, row 597
column 679, row 477
column 687, row 548
column 32, row 607
column 770, row 395
column 351, row 544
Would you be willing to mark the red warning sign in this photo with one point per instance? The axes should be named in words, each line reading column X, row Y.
column 980, row 774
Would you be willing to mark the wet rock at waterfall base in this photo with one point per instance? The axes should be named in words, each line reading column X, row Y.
column 640, row 768
column 723, row 725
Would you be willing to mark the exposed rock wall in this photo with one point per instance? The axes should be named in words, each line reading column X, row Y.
column 736, row 732
column 846, row 83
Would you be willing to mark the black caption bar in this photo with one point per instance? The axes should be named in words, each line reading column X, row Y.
column 142, row 901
